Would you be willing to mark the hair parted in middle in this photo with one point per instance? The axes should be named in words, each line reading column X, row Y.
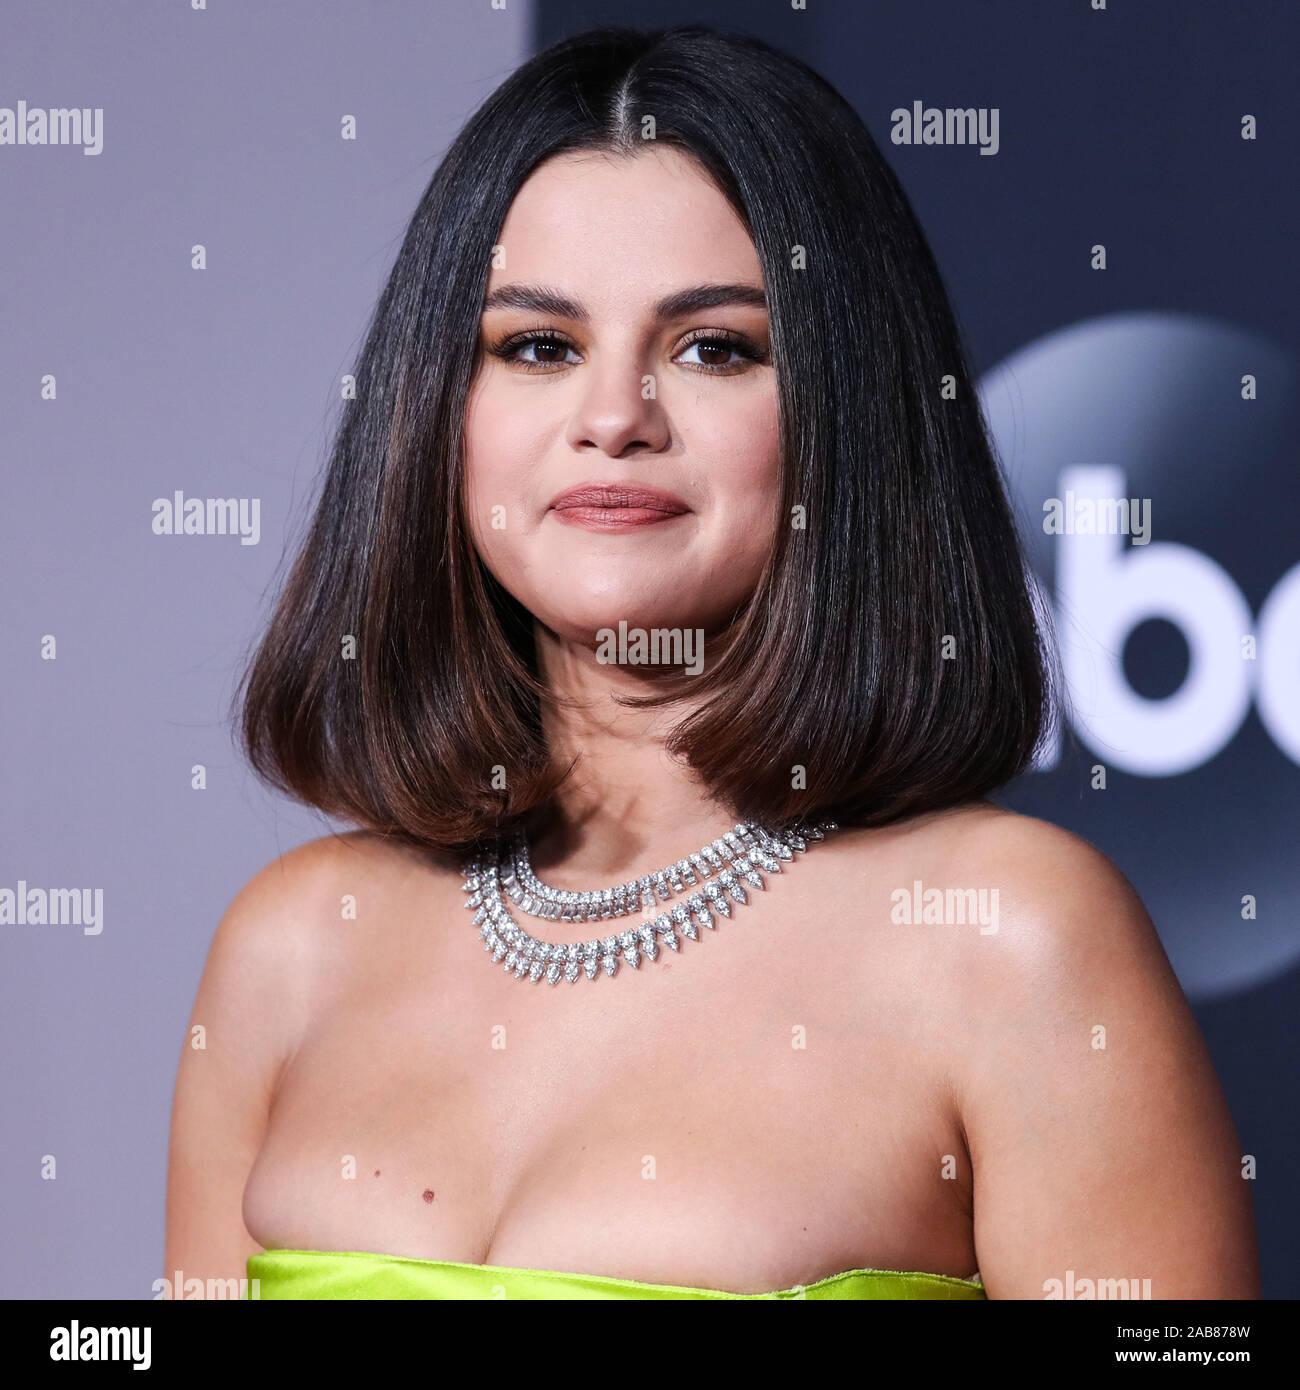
column 836, row 665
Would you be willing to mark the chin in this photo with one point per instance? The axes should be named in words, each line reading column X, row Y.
column 584, row 622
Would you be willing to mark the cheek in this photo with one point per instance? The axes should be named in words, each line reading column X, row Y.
column 741, row 441
column 488, row 507
column 503, row 447
column 740, row 469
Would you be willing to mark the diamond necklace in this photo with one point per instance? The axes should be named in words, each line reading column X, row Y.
column 504, row 872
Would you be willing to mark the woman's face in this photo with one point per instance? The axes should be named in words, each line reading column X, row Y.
column 624, row 465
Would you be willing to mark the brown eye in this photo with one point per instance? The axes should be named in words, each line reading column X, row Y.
column 720, row 352
column 543, row 349
column 547, row 350
column 713, row 352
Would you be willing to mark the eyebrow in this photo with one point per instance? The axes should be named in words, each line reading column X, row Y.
column 541, row 300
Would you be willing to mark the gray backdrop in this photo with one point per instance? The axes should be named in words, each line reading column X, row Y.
column 220, row 128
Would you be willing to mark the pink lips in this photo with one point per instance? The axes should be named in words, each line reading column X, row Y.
column 616, row 506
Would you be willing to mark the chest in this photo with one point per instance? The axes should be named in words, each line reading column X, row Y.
column 737, row 1116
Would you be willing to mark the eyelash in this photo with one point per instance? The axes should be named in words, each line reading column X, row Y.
column 736, row 342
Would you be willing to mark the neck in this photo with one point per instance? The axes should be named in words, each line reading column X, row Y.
column 628, row 807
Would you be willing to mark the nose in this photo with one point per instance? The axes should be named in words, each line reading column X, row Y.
column 618, row 410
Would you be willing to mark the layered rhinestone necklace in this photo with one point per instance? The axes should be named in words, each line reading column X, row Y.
column 719, row 873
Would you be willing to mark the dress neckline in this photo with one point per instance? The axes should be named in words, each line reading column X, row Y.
column 607, row 1280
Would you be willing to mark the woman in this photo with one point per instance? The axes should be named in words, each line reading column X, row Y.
column 664, row 509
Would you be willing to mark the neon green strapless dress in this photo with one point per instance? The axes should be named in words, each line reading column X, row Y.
column 313, row 1274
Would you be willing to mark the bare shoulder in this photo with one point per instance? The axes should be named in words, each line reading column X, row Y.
column 1054, row 892
column 270, row 944
column 1058, row 895
column 981, row 834
column 320, row 864
column 286, row 896
column 1101, row 1142
column 1063, row 930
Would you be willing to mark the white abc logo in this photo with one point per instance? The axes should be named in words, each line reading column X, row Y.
column 1105, row 589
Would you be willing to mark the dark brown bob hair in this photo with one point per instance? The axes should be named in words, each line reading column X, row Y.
column 892, row 649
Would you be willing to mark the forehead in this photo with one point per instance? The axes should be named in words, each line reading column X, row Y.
column 623, row 228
